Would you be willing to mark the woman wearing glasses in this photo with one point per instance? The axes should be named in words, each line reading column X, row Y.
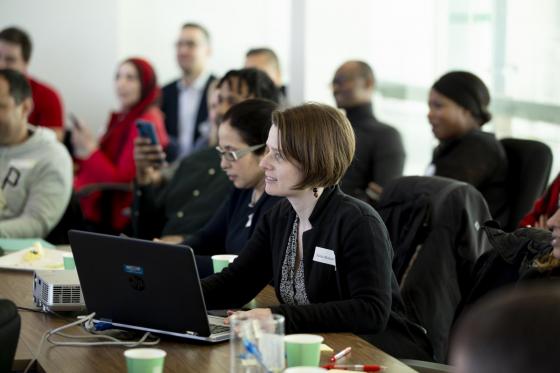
column 241, row 137
column 328, row 254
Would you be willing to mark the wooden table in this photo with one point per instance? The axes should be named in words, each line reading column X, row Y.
column 182, row 356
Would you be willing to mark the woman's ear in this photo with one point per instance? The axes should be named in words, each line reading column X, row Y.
column 468, row 119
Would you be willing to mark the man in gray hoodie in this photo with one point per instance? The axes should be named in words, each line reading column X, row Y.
column 35, row 169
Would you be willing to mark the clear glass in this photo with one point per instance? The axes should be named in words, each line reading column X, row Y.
column 257, row 345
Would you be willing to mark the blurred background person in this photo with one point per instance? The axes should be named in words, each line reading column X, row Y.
column 544, row 207
column 184, row 100
column 265, row 59
column 514, row 330
column 458, row 104
column 111, row 159
column 35, row 169
column 15, row 53
column 380, row 152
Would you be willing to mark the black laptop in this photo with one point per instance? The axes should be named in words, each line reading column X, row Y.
column 143, row 285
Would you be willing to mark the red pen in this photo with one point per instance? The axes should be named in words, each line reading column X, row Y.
column 341, row 354
column 358, row 367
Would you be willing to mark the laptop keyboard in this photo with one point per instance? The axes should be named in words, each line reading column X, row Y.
column 215, row 329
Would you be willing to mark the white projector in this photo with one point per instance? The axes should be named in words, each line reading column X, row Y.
column 57, row 290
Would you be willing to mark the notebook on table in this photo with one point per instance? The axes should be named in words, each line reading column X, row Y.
column 143, row 285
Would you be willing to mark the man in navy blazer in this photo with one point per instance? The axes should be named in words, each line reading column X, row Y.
column 184, row 100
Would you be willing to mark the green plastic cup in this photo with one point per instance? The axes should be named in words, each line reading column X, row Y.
column 303, row 349
column 220, row 262
column 68, row 260
column 145, row 360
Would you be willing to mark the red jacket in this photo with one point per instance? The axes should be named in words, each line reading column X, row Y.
column 47, row 106
column 113, row 162
column 546, row 205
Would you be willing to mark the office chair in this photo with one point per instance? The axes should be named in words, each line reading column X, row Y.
column 9, row 334
column 529, row 164
column 434, row 226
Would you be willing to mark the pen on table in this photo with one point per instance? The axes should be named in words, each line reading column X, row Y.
column 340, row 354
column 357, row 367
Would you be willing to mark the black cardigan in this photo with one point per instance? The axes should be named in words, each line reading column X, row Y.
column 360, row 295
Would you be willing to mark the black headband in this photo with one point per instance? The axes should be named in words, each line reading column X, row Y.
column 468, row 91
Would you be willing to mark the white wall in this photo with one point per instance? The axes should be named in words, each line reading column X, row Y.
column 396, row 38
column 74, row 49
column 150, row 28
column 78, row 44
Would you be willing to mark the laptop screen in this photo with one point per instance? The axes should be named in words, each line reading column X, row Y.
column 140, row 283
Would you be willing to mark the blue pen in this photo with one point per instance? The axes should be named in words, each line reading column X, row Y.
column 253, row 350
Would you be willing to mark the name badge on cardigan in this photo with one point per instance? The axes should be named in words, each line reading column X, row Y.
column 325, row 256
column 249, row 221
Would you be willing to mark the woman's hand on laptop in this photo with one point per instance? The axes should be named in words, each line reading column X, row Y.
column 173, row 239
column 257, row 313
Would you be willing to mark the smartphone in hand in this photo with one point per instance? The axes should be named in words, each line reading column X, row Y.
column 146, row 130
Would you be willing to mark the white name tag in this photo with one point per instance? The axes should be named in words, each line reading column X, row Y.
column 249, row 221
column 323, row 255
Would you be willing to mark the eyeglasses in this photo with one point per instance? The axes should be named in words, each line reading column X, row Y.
column 234, row 156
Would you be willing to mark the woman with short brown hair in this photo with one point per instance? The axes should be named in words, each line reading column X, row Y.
column 330, row 144
column 328, row 254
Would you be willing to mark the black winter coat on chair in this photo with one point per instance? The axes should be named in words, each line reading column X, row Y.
column 434, row 225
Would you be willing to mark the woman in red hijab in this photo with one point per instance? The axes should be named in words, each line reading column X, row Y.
column 111, row 159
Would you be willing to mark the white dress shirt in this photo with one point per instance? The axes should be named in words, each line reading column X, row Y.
column 190, row 97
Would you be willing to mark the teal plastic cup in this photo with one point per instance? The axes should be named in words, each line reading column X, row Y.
column 303, row 349
column 68, row 260
column 145, row 360
column 220, row 262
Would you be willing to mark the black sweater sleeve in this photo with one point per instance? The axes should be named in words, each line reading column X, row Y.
column 364, row 277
